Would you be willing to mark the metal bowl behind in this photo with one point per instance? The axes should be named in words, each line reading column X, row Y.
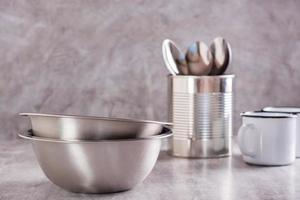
column 97, row 166
column 71, row 127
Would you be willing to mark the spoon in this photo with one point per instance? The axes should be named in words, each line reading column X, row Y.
column 221, row 52
column 199, row 59
column 174, row 58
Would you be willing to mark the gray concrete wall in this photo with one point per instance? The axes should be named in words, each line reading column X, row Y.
column 104, row 57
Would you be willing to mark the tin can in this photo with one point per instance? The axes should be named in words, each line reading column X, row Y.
column 201, row 109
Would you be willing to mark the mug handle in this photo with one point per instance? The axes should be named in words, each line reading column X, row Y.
column 245, row 130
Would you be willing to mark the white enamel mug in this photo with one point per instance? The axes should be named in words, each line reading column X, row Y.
column 291, row 110
column 268, row 138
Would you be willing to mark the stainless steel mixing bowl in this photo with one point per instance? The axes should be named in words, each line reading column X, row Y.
column 97, row 166
column 71, row 127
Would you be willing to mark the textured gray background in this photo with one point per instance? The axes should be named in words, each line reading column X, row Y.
column 104, row 57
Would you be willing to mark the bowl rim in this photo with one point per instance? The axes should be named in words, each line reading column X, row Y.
column 167, row 132
column 95, row 118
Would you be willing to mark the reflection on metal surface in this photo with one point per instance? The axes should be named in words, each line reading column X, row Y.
column 77, row 156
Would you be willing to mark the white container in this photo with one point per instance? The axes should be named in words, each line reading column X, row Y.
column 291, row 110
column 268, row 138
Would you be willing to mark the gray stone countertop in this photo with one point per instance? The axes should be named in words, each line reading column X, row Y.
column 172, row 178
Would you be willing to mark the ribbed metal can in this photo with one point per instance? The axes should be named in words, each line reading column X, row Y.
column 201, row 109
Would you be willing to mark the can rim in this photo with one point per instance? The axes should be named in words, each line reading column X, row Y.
column 202, row 77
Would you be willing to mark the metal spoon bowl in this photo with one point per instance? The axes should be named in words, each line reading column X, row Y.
column 174, row 58
column 199, row 59
column 221, row 52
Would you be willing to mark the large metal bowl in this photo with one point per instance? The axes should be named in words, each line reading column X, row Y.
column 71, row 127
column 97, row 166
